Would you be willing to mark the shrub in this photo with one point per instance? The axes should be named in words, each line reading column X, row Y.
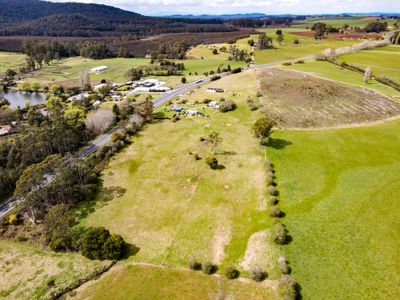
column 215, row 51
column 212, row 162
column 227, row 105
column 287, row 288
column 287, row 64
column 263, row 127
column 236, row 70
column 273, row 201
column 296, row 42
column 98, row 243
column 280, row 234
column 194, row 264
column 183, row 80
column 300, row 61
column 284, row 266
column 114, row 247
column 257, row 274
column 272, row 190
column 275, row 212
column 13, row 219
column 209, row 268
column 215, row 77
column 231, row 273
column 253, row 107
column 269, row 181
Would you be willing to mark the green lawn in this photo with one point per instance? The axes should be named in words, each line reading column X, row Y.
column 340, row 191
column 10, row 60
column 384, row 61
column 158, row 197
column 151, row 283
column 330, row 71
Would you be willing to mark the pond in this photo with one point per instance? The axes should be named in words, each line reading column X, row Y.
column 17, row 98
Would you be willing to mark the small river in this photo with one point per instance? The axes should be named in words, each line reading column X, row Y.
column 17, row 98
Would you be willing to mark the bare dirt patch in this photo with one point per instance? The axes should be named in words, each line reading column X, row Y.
column 298, row 100
column 222, row 237
column 257, row 251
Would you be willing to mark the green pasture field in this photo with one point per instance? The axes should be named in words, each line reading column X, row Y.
column 340, row 21
column 173, row 207
column 384, row 61
column 330, row 71
column 10, row 60
column 339, row 189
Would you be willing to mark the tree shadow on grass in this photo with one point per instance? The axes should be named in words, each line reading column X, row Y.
column 220, row 167
column 130, row 250
column 278, row 143
column 104, row 195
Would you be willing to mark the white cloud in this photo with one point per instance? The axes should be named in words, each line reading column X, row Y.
column 159, row 7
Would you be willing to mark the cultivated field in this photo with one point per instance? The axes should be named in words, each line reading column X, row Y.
column 153, row 282
column 27, row 272
column 298, row 100
column 340, row 191
column 173, row 207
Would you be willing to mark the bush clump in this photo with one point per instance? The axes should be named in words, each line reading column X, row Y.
column 287, row 288
column 236, row 70
column 287, row 64
column 215, row 77
column 98, row 243
column 194, row 264
column 283, row 265
column 212, row 162
column 280, row 234
column 273, row 200
column 257, row 274
column 231, row 273
column 275, row 212
column 209, row 268
column 227, row 105
column 272, row 190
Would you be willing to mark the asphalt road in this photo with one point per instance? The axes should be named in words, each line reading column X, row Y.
column 104, row 139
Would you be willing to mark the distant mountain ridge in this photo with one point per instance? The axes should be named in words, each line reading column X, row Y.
column 223, row 16
column 36, row 17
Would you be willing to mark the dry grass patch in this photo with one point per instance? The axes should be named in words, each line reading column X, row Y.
column 28, row 273
column 295, row 99
column 153, row 282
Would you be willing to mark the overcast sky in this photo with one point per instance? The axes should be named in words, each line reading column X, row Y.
column 165, row 7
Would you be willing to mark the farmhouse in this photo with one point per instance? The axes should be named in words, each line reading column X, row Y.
column 150, row 85
column 176, row 108
column 215, row 90
column 193, row 112
column 79, row 96
column 213, row 104
column 98, row 69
